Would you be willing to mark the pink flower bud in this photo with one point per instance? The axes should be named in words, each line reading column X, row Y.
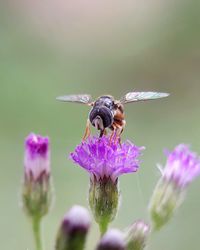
column 36, row 194
column 36, row 159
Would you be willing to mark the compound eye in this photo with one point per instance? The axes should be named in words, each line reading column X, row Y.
column 107, row 117
column 104, row 113
column 109, row 104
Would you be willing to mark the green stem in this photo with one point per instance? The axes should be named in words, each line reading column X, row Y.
column 36, row 223
column 103, row 226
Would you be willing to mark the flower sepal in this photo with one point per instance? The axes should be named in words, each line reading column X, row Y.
column 137, row 235
column 37, row 196
column 165, row 200
column 103, row 200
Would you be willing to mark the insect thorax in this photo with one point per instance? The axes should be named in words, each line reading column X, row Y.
column 107, row 101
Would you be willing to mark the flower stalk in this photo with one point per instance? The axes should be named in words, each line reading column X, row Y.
column 36, row 224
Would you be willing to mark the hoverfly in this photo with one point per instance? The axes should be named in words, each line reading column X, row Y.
column 106, row 112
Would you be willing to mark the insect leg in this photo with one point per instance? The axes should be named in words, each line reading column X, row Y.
column 117, row 136
column 119, row 129
column 102, row 132
column 113, row 134
column 87, row 130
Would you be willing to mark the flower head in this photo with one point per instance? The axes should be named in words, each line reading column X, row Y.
column 103, row 158
column 182, row 166
column 77, row 218
column 36, row 159
column 112, row 240
column 105, row 161
column 73, row 229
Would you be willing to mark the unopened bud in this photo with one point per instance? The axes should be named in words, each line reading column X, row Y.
column 137, row 235
column 73, row 229
column 36, row 194
column 112, row 240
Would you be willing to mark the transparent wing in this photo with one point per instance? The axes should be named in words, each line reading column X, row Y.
column 142, row 96
column 85, row 99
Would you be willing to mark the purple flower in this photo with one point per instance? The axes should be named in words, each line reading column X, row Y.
column 113, row 239
column 73, row 229
column 102, row 158
column 36, row 159
column 78, row 218
column 182, row 166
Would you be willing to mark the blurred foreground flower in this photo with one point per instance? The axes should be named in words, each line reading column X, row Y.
column 137, row 235
column 36, row 194
column 182, row 167
column 73, row 229
column 105, row 161
column 112, row 240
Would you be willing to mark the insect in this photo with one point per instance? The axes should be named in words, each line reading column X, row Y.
column 108, row 113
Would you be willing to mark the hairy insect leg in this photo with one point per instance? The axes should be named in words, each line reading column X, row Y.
column 87, row 130
column 113, row 133
column 120, row 131
column 102, row 132
column 118, row 135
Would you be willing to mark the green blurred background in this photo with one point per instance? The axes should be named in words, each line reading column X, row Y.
column 51, row 48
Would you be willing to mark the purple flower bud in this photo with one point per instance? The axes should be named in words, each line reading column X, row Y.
column 112, row 240
column 37, row 183
column 137, row 235
column 36, row 159
column 73, row 230
column 182, row 167
column 103, row 158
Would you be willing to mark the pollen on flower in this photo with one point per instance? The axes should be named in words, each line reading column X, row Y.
column 182, row 166
column 102, row 158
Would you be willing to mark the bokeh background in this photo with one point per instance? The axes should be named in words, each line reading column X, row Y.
column 50, row 48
